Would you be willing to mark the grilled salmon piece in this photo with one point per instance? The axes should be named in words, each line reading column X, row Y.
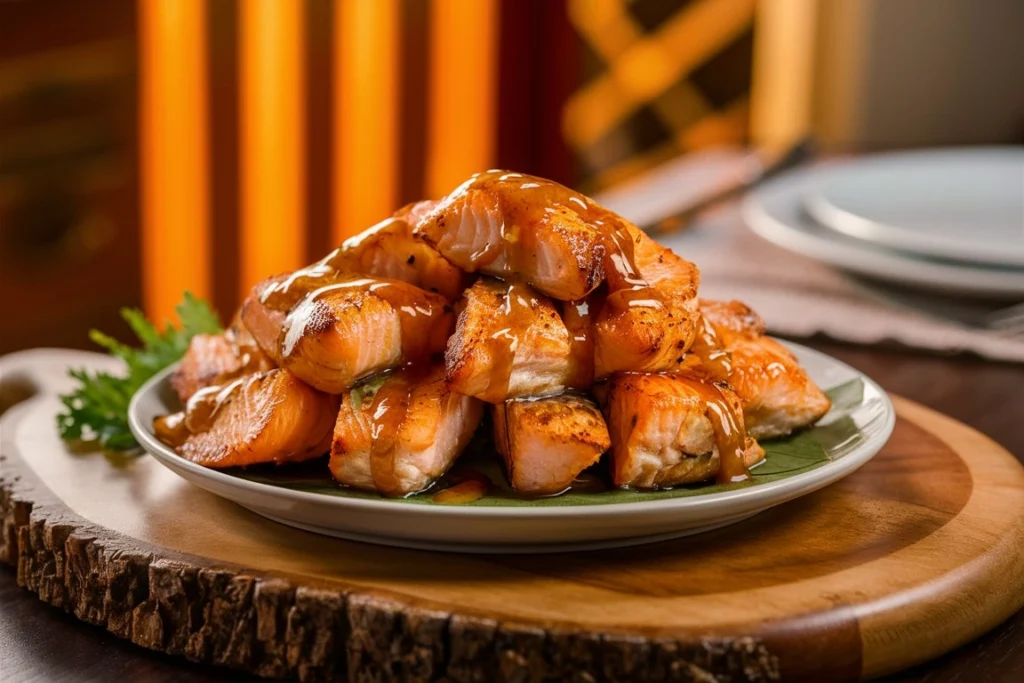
column 510, row 341
column 648, row 327
column 547, row 442
column 217, row 359
column 265, row 417
column 778, row 396
column 398, row 433
column 514, row 225
column 208, row 360
column 668, row 430
column 348, row 330
column 389, row 250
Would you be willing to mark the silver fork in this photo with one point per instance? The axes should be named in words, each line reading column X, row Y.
column 1005, row 320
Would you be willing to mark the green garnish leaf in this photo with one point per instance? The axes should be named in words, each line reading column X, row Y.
column 366, row 390
column 97, row 410
column 847, row 395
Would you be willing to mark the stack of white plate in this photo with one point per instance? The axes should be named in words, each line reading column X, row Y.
column 949, row 220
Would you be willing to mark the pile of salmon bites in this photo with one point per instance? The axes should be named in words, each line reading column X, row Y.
column 580, row 334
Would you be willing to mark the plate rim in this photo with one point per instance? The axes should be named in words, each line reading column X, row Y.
column 846, row 253
column 763, row 496
column 833, row 216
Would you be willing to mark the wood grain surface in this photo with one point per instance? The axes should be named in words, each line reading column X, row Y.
column 911, row 556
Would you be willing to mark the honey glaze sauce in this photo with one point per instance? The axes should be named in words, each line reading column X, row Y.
column 727, row 426
column 199, row 414
column 578, row 317
column 708, row 355
column 515, row 315
column 388, row 413
column 466, row 487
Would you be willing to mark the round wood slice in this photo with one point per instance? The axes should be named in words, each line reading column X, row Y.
column 913, row 555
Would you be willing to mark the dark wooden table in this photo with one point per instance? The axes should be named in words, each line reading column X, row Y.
column 40, row 643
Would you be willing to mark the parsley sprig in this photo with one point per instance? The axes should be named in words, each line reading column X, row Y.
column 97, row 410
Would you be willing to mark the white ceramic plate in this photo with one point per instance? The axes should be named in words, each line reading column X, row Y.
column 858, row 426
column 776, row 212
column 958, row 204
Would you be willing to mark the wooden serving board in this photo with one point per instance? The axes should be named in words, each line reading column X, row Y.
column 918, row 552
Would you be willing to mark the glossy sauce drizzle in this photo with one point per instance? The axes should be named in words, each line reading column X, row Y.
column 515, row 310
column 284, row 292
column 578, row 319
column 203, row 407
column 715, row 360
column 199, row 414
column 729, row 434
column 388, row 413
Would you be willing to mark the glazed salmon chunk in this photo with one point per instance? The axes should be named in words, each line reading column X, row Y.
column 343, row 332
column 648, row 327
column 397, row 434
column 218, row 358
column 668, row 430
column 510, row 341
column 209, row 360
column 389, row 250
column 547, row 442
column 510, row 224
column 777, row 394
column 267, row 417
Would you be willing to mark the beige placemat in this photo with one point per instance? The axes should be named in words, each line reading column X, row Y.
column 800, row 297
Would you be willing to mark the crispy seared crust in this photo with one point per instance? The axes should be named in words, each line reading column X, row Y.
column 335, row 340
column 542, row 363
column 274, row 417
column 547, row 442
column 389, row 250
column 661, row 435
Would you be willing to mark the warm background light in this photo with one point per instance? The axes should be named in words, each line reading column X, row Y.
column 366, row 62
column 174, row 153
column 463, row 74
column 272, row 110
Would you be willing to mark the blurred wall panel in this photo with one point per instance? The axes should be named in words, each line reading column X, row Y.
column 935, row 72
column 319, row 134
column 782, row 95
column 175, row 178
column 539, row 67
column 68, row 193
column 366, row 63
column 462, row 91
column 273, row 171
column 876, row 74
column 222, row 80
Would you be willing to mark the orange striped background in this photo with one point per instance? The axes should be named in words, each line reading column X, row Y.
column 272, row 129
